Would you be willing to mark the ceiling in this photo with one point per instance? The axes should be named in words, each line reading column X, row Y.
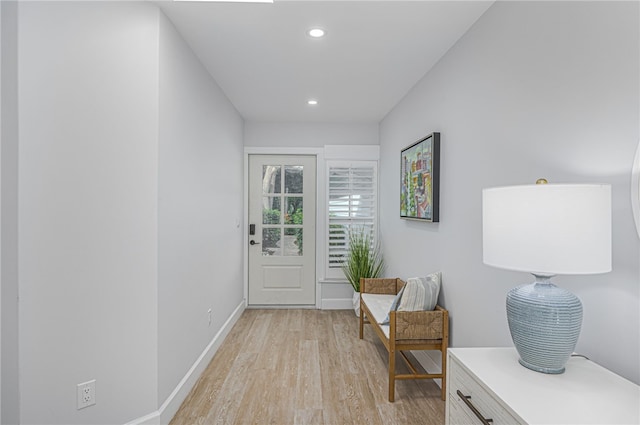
column 373, row 52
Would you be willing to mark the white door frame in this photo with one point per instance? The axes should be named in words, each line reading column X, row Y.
column 320, row 200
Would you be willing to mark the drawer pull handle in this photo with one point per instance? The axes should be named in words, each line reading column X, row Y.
column 467, row 401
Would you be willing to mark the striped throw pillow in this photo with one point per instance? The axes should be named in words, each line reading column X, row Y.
column 420, row 293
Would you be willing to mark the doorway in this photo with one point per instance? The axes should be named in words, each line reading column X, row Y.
column 282, row 224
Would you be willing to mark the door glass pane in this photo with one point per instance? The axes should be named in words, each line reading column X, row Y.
column 271, row 210
column 293, row 178
column 293, row 242
column 271, row 178
column 271, row 241
column 293, row 210
column 279, row 211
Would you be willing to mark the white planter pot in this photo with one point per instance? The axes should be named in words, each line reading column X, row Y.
column 356, row 303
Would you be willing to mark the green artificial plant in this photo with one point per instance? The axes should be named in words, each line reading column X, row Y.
column 364, row 257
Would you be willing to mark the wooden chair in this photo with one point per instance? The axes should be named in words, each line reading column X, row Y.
column 408, row 330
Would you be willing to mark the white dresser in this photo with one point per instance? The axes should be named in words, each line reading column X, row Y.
column 491, row 382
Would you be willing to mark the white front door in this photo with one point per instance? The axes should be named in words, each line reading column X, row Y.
column 282, row 227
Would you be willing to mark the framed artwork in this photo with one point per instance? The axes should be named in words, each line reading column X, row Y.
column 420, row 180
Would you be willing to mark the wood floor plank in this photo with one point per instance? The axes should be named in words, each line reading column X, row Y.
column 299, row 367
column 360, row 401
column 308, row 384
column 255, row 400
column 256, row 336
column 334, row 389
column 282, row 388
column 224, row 408
column 294, row 319
column 309, row 417
column 275, row 338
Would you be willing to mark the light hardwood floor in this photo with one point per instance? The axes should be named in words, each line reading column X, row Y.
column 305, row 367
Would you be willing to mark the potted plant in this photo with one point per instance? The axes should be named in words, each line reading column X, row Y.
column 363, row 259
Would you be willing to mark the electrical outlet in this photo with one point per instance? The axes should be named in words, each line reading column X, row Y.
column 209, row 312
column 86, row 394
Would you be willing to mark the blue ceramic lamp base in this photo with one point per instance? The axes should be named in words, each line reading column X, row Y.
column 544, row 321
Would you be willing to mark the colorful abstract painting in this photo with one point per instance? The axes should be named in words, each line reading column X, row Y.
column 419, row 179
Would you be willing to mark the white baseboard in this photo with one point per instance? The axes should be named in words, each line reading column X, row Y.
column 150, row 419
column 171, row 405
column 337, row 304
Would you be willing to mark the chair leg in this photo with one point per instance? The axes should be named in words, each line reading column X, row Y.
column 392, row 375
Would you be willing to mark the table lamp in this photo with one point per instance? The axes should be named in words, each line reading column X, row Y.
column 546, row 229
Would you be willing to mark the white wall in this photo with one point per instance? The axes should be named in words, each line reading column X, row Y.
column 9, row 227
column 130, row 199
column 534, row 89
column 269, row 134
column 199, row 209
column 88, row 196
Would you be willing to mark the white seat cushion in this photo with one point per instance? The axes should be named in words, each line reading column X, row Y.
column 379, row 305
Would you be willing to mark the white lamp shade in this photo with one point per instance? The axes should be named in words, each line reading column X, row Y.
column 548, row 228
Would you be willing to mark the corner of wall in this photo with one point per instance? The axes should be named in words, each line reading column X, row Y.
column 170, row 406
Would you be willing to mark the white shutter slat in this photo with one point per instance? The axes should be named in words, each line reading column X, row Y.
column 352, row 202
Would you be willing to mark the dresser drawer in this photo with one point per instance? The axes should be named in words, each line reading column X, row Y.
column 469, row 402
column 508, row 393
column 458, row 413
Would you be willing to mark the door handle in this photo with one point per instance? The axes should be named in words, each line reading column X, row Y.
column 252, row 242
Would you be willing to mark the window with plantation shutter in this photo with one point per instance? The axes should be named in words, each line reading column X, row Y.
column 352, row 202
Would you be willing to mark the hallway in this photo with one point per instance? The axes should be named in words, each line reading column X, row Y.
column 304, row 367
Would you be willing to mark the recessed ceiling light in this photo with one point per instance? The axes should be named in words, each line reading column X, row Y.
column 312, row 102
column 316, row 32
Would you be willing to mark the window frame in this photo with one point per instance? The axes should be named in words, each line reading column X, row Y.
column 335, row 273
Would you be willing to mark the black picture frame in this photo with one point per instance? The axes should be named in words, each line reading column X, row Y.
column 420, row 180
